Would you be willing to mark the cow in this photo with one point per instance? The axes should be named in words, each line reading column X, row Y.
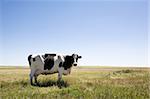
column 50, row 64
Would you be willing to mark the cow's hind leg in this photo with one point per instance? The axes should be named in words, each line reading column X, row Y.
column 59, row 77
column 31, row 77
column 32, row 73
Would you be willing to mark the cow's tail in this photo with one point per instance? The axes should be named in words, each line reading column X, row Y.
column 29, row 60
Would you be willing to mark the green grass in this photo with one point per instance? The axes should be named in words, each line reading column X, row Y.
column 82, row 83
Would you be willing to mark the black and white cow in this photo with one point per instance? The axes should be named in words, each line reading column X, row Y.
column 50, row 64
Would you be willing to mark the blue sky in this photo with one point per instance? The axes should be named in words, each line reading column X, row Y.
column 104, row 32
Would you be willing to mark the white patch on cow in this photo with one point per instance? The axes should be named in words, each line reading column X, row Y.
column 75, row 58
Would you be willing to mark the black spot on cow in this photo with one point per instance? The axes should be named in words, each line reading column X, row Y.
column 60, row 64
column 33, row 59
column 49, row 61
column 29, row 59
column 59, row 57
column 46, row 55
column 76, row 59
column 69, row 60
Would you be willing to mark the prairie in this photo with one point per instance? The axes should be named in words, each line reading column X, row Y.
column 84, row 82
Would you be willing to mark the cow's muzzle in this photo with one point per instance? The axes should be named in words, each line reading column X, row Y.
column 75, row 64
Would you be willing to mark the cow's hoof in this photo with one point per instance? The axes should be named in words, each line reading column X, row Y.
column 37, row 84
column 32, row 84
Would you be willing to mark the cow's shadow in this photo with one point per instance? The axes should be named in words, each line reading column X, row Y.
column 50, row 83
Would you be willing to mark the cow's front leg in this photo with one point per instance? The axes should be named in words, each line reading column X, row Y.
column 60, row 71
column 59, row 77
column 59, row 80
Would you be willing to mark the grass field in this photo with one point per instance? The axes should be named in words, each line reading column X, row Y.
column 82, row 83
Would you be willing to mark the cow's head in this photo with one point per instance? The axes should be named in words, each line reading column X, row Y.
column 75, row 59
column 70, row 60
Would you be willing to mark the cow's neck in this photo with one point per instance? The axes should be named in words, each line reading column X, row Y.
column 68, row 62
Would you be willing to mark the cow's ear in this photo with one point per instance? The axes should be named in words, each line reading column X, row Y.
column 79, row 56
